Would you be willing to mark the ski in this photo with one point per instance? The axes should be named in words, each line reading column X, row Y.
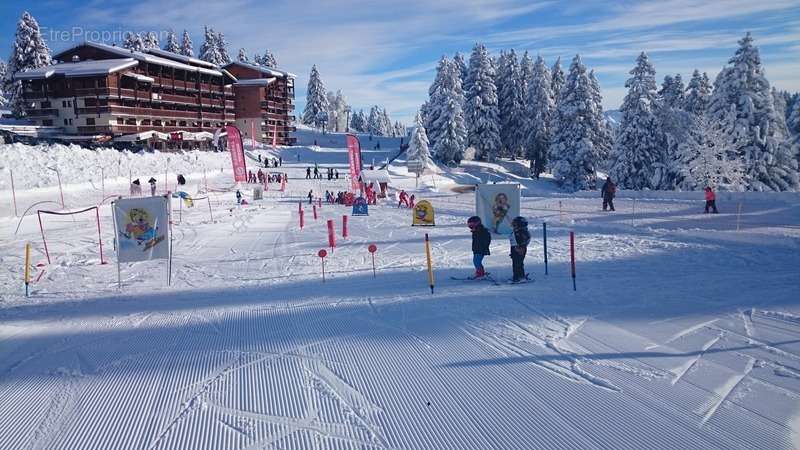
column 483, row 278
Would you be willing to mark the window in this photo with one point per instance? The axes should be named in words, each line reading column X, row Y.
column 46, row 105
column 120, row 121
column 47, row 123
column 65, row 122
column 70, row 121
column 89, row 121
column 101, row 82
column 63, row 103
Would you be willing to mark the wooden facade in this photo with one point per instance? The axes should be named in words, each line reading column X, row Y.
column 264, row 97
column 98, row 89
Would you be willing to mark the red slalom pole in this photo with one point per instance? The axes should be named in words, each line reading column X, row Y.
column 315, row 212
column 344, row 227
column 572, row 257
column 302, row 220
column 331, row 235
column 319, row 202
column 99, row 237
column 372, row 249
column 322, row 254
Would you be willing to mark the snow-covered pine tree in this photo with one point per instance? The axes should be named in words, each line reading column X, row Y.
column 418, row 155
column 316, row 102
column 222, row 46
column 707, row 158
column 574, row 150
column 358, row 122
column 209, row 50
column 171, row 44
column 337, row 114
column 604, row 137
column 242, row 57
column 451, row 143
column 640, row 145
column 258, row 60
column 133, row 41
column 268, row 60
column 3, row 75
column 481, row 113
column 29, row 51
column 558, row 80
column 386, row 123
column 399, row 129
column 374, row 121
column 698, row 94
column 525, row 79
column 461, row 69
column 510, row 104
column 758, row 131
column 672, row 92
column 430, row 110
column 187, row 48
column 541, row 108
column 150, row 40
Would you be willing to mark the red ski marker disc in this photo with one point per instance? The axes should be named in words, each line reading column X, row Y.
column 372, row 248
column 322, row 253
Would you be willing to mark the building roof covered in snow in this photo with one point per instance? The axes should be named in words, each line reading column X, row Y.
column 266, row 70
column 78, row 69
column 182, row 58
column 172, row 61
column 377, row 176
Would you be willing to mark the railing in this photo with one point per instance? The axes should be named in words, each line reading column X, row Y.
column 41, row 112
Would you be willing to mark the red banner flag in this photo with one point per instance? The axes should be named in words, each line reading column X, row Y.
column 236, row 147
column 354, row 153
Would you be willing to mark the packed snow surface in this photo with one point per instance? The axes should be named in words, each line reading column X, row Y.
column 684, row 330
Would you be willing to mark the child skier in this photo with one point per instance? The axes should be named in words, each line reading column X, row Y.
column 519, row 239
column 481, row 239
column 608, row 191
column 711, row 200
column 152, row 182
column 238, row 197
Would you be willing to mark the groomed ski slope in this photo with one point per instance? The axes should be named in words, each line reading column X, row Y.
column 683, row 332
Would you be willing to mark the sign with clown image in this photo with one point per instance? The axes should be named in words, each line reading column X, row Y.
column 142, row 228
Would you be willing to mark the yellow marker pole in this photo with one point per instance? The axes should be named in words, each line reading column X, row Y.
column 27, row 266
column 430, row 265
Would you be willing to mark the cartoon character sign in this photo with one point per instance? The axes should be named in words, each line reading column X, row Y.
column 423, row 214
column 142, row 228
column 497, row 204
column 360, row 207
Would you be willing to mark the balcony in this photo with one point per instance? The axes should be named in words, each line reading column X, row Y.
column 42, row 112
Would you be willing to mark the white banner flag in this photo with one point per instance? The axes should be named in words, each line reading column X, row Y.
column 497, row 205
column 142, row 228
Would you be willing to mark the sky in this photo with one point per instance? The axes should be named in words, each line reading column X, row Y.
column 385, row 52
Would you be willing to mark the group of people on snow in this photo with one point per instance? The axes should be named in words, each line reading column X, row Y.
column 519, row 239
column 609, row 191
column 276, row 162
column 331, row 173
column 405, row 200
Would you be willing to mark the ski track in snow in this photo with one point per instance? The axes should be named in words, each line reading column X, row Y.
column 682, row 334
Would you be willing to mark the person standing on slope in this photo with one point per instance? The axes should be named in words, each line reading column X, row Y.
column 608, row 192
column 152, row 182
column 519, row 239
column 711, row 200
column 481, row 239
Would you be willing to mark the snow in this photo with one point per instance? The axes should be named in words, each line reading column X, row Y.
column 78, row 69
column 683, row 331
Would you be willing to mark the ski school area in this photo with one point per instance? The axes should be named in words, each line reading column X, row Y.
column 189, row 319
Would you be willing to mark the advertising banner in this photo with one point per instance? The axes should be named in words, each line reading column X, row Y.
column 236, row 147
column 497, row 205
column 142, row 228
column 360, row 207
column 423, row 214
column 354, row 156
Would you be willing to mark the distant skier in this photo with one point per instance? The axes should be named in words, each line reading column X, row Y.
column 336, row 173
column 519, row 239
column 411, row 200
column 280, row 160
column 308, row 173
column 481, row 239
column 310, row 196
column 711, row 200
column 136, row 187
column 181, row 180
column 152, row 182
column 608, row 192
column 238, row 197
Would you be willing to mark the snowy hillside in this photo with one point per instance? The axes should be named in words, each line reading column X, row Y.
column 684, row 330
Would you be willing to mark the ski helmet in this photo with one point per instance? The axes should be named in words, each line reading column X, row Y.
column 473, row 221
column 519, row 222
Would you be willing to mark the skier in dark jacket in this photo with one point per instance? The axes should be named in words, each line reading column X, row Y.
column 152, row 182
column 608, row 192
column 481, row 239
column 519, row 239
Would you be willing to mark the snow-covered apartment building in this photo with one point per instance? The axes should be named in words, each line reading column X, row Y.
column 162, row 99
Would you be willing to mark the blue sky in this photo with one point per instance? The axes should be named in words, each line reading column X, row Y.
column 383, row 52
